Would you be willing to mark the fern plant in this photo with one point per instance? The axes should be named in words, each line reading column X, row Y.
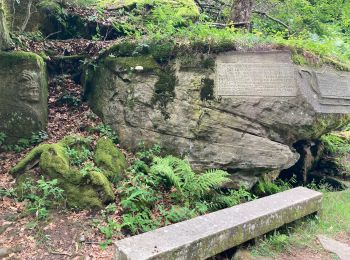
column 167, row 190
column 336, row 144
column 190, row 186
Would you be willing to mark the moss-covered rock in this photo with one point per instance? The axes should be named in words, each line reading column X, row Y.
column 110, row 159
column 90, row 189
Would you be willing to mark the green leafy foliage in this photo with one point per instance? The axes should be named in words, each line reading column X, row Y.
column 316, row 31
column 78, row 156
column 324, row 23
column 23, row 143
column 147, row 155
column 267, row 187
column 106, row 130
column 162, row 190
column 10, row 193
column 88, row 167
column 336, row 144
column 337, row 149
column 108, row 231
column 177, row 173
column 41, row 196
column 322, row 186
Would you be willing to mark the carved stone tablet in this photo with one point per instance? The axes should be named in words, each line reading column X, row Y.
column 23, row 100
column 257, row 76
column 334, row 85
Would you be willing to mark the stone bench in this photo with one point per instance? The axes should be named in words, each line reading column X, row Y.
column 208, row 235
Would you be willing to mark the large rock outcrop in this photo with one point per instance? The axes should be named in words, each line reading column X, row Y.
column 236, row 111
column 24, row 92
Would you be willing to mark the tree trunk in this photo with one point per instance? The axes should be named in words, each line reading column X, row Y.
column 241, row 12
column 5, row 40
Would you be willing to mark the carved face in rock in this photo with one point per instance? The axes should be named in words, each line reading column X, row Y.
column 29, row 86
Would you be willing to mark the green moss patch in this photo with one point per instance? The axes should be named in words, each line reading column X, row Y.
column 10, row 59
column 109, row 159
column 85, row 185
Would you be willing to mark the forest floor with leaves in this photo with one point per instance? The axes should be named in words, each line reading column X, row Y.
column 65, row 234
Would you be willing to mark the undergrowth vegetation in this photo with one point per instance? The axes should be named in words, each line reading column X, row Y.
column 333, row 219
column 22, row 143
column 41, row 196
column 327, row 44
column 315, row 31
column 38, row 196
column 337, row 149
column 162, row 190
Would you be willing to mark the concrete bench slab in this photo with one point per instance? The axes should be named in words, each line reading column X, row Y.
column 208, row 235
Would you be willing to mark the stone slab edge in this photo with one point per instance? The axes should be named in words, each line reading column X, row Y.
column 208, row 235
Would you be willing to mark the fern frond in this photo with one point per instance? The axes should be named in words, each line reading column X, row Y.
column 163, row 167
column 211, row 179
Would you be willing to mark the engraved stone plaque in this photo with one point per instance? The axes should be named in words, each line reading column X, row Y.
column 333, row 85
column 255, row 77
column 326, row 89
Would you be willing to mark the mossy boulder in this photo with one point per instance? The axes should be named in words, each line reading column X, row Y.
column 109, row 159
column 90, row 189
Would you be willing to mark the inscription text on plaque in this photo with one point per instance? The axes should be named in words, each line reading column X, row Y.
column 334, row 86
column 256, row 79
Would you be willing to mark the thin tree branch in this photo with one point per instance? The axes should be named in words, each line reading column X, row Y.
column 52, row 34
column 199, row 4
column 14, row 14
column 223, row 25
column 264, row 14
column 29, row 14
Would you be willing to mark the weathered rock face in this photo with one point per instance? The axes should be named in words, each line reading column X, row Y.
column 236, row 111
column 23, row 100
